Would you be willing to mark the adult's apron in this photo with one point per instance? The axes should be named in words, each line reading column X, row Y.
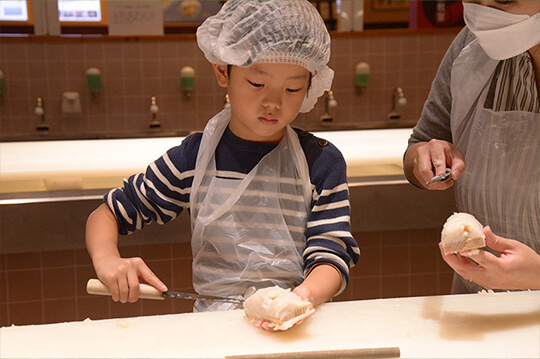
column 501, row 184
column 251, row 231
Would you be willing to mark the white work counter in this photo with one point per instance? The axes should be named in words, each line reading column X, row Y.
column 501, row 325
column 83, row 165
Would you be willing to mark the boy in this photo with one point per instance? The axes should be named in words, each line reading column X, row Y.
column 269, row 205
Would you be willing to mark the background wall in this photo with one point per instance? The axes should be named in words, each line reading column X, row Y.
column 133, row 71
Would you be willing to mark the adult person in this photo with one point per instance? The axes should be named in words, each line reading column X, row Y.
column 482, row 120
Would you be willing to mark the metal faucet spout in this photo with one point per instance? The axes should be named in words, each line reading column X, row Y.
column 39, row 111
column 154, row 109
column 398, row 98
column 329, row 104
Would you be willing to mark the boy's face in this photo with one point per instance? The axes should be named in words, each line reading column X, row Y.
column 264, row 98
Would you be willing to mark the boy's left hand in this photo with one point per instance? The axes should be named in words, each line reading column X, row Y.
column 302, row 292
column 320, row 285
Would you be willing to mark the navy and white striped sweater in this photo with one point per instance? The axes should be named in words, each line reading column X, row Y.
column 163, row 192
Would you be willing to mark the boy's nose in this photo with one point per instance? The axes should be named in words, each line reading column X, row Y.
column 272, row 101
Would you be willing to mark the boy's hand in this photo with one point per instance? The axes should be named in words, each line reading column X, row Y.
column 123, row 275
column 302, row 292
column 305, row 293
column 266, row 326
column 320, row 286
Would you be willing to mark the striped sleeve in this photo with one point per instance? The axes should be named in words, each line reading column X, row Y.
column 158, row 195
column 328, row 233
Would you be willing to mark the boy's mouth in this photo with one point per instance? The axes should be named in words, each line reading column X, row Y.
column 268, row 120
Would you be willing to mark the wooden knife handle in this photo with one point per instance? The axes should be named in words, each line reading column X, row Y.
column 95, row 286
column 392, row 352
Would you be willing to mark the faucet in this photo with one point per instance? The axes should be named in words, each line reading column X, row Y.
column 39, row 111
column 329, row 104
column 398, row 98
column 154, row 109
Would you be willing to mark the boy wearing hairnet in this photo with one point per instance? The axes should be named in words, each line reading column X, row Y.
column 269, row 204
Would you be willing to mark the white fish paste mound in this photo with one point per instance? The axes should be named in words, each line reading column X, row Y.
column 279, row 307
column 462, row 232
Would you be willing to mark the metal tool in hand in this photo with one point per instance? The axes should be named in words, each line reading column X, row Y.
column 95, row 286
column 192, row 296
column 445, row 177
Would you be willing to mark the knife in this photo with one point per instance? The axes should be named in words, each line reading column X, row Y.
column 445, row 177
column 95, row 286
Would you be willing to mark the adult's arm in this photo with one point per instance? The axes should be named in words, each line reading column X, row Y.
column 434, row 122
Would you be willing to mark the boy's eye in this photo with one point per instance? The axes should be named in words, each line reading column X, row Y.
column 294, row 90
column 504, row 2
column 254, row 84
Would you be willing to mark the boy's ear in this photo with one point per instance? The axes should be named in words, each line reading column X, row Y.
column 222, row 75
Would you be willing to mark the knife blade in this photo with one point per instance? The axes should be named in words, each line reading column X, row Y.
column 211, row 298
column 95, row 286
column 445, row 177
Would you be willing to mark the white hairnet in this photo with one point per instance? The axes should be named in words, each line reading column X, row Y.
column 270, row 31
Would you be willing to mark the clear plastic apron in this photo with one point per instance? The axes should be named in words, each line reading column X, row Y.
column 251, row 231
column 501, row 184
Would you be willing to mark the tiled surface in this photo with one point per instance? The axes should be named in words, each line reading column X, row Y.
column 133, row 71
column 49, row 287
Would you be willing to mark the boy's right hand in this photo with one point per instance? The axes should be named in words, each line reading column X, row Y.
column 123, row 275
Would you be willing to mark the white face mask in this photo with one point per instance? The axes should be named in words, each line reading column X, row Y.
column 502, row 35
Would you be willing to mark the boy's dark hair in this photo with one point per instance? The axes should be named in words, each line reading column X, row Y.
column 229, row 74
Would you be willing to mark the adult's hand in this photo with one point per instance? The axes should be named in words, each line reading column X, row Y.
column 425, row 160
column 516, row 267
